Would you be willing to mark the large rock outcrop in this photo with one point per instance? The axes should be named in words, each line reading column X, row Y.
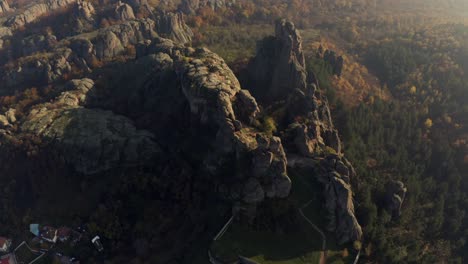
column 253, row 164
column 38, row 69
column 91, row 140
column 335, row 173
column 172, row 26
column 4, row 6
column 334, row 60
column 279, row 66
column 78, row 51
column 307, row 129
column 124, row 11
column 36, row 43
column 395, row 196
column 85, row 10
column 36, row 10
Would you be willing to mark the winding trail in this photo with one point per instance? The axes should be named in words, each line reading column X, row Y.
column 218, row 236
column 323, row 253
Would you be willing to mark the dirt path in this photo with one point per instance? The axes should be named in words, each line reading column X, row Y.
column 323, row 253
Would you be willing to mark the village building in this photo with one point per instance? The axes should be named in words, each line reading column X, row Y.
column 49, row 234
column 5, row 244
column 8, row 259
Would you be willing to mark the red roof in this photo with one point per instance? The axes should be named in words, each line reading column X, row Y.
column 3, row 240
column 8, row 259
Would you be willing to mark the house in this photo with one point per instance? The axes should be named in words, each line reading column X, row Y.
column 8, row 259
column 64, row 234
column 49, row 234
column 5, row 244
column 34, row 229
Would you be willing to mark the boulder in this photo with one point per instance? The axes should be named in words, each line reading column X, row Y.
column 334, row 173
column 3, row 121
column 123, row 11
column 108, row 45
column 172, row 26
column 91, row 140
column 395, row 196
column 85, row 10
column 246, row 106
column 39, row 70
column 36, row 43
column 4, row 6
column 11, row 115
column 279, row 66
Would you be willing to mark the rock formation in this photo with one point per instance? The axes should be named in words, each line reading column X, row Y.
column 105, row 43
column 91, row 140
column 124, row 11
column 85, row 10
column 256, row 162
column 4, row 6
column 172, row 26
column 38, row 70
column 395, row 196
column 36, row 43
column 279, row 66
column 335, row 173
column 334, row 60
column 35, row 11
column 278, row 73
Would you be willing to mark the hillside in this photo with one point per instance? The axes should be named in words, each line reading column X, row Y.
column 221, row 131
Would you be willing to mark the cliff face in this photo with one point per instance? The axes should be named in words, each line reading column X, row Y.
column 175, row 116
column 279, row 66
column 82, row 50
column 277, row 74
column 172, row 26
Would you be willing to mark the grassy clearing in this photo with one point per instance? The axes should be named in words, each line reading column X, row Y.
column 236, row 41
column 239, row 41
column 302, row 246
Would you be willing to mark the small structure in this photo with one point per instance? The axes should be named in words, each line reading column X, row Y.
column 49, row 234
column 64, row 234
column 5, row 244
column 8, row 259
column 34, row 229
column 97, row 243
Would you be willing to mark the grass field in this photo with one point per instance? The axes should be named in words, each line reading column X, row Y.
column 267, row 247
column 239, row 42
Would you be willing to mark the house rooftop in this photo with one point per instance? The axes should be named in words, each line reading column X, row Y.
column 8, row 259
column 5, row 244
column 3, row 241
column 49, row 233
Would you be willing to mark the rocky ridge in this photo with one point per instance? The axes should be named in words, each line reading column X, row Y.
column 92, row 140
column 278, row 71
column 279, row 66
column 214, row 96
column 82, row 50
